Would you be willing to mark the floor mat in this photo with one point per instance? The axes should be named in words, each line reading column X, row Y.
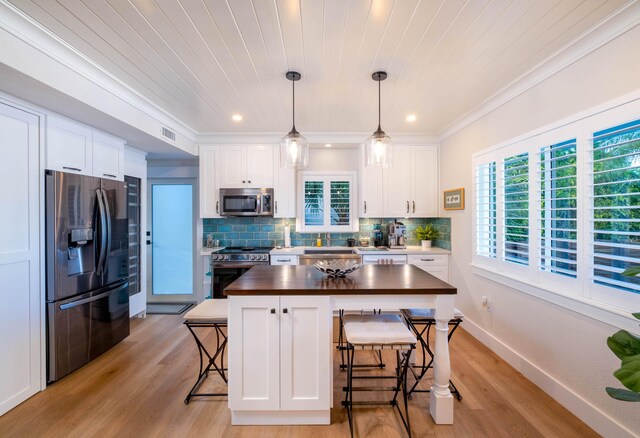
column 167, row 308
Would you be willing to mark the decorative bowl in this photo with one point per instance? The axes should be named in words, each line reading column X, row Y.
column 336, row 268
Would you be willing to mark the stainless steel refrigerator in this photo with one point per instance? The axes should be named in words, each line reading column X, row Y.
column 86, row 269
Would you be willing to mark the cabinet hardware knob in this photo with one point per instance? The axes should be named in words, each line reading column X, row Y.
column 407, row 206
column 365, row 206
column 414, row 206
column 273, row 311
column 285, row 310
column 75, row 169
column 243, row 181
column 249, row 181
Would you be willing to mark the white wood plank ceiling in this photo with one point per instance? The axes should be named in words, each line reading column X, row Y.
column 204, row 60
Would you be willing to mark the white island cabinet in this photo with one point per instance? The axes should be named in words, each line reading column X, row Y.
column 280, row 359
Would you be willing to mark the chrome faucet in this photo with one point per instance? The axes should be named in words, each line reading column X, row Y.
column 328, row 239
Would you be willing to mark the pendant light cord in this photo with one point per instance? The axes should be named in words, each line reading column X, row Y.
column 293, row 108
column 379, row 105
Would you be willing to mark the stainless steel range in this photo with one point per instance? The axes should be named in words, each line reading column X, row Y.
column 230, row 263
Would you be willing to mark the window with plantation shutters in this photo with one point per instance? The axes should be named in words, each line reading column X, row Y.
column 327, row 202
column 559, row 208
column 615, row 205
column 515, row 209
column 313, row 203
column 557, row 211
column 485, row 211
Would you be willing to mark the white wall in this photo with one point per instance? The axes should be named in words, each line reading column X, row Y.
column 333, row 159
column 563, row 352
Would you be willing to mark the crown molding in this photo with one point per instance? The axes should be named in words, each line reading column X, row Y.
column 605, row 32
column 312, row 137
column 26, row 29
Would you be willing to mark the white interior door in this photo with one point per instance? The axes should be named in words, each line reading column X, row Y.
column 171, row 240
column 20, row 313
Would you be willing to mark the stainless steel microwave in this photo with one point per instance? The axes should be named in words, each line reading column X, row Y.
column 246, row 202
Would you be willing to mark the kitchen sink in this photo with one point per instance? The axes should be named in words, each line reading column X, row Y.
column 329, row 251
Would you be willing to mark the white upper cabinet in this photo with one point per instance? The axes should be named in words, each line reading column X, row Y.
column 108, row 156
column 246, row 166
column 260, row 160
column 410, row 186
column 209, row 178
column 397, row 184
column 69, row 146
column 233, row 159
column 284, row 192
column 371, row 198
column 74, row 147
column 424, row 189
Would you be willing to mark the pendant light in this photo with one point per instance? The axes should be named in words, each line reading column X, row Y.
column 294, row 150
column 378, row 148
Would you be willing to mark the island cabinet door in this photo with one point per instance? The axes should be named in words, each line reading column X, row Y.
column 305, row 353
column 254, row 353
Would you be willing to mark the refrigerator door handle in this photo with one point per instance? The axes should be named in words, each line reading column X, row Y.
column 103, row 234
column 108, row 237
column 94, row 298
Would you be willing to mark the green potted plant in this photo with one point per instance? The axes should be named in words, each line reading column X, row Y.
column 426, row 234
column 627, row 347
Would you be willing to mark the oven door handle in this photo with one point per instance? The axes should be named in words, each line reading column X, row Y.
column 232, row 265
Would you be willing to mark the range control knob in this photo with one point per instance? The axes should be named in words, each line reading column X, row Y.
column 252, row 257
column 227, row 257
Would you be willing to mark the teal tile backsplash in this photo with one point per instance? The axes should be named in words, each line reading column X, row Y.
column 263, row 231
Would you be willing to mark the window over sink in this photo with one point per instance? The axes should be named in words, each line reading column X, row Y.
column 328, row 202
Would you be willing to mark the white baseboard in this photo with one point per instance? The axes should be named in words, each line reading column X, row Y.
column 585, row 411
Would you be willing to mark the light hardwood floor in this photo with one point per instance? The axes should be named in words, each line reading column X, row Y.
column 137, row 390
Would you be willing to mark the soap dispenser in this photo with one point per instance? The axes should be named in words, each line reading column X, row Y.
column 318, row 240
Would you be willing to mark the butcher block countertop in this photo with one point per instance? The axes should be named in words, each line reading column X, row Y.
column 368, row 280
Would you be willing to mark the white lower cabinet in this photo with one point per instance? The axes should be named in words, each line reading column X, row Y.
column 279, row 358
column 436, row 265
column 284, row 259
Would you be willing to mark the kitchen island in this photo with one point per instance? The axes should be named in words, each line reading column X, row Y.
column 280, row 336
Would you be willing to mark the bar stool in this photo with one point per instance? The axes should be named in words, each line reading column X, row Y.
column 348, row 317
column 210, row 314
column 376, row 333
column 426, row 319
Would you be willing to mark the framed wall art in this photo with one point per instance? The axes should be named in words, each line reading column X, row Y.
column 454, row 199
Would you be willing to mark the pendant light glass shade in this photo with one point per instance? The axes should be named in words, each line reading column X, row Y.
column 294, row 149
column 378, row 148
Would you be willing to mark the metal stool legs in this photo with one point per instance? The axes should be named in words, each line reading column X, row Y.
column 400, row 377
column 216, row 361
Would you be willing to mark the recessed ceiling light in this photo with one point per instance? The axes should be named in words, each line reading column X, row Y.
column 237, row 117
column 327, row 145
column 411, row 118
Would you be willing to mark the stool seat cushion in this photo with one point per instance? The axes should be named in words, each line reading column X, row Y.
column 371, row 317
column 209, row 310
column 428, row 313
column 377, row 330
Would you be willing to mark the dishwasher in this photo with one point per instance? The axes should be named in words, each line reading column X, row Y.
column 384, row 259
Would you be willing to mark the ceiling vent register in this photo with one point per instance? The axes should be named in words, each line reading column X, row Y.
column 169, row 134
